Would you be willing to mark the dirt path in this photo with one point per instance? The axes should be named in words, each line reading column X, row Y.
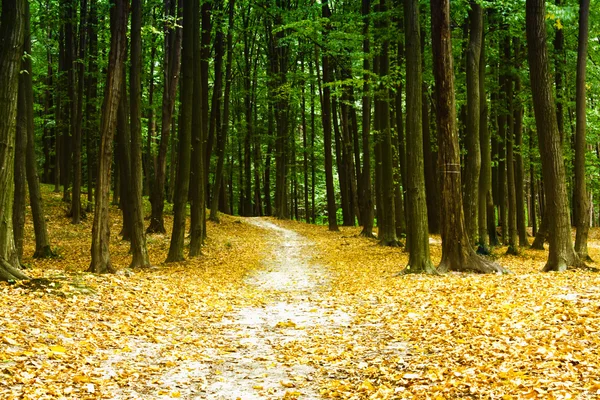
column 257, row 365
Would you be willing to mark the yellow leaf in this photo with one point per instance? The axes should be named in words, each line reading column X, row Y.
column 287, row 384
column 175, row 395
column 81, row 379
column 58, row 349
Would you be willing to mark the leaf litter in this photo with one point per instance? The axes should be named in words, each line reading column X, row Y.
column 280, row 309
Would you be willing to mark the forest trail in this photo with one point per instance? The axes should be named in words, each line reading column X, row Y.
column 289, row 284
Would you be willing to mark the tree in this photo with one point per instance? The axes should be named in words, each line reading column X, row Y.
column 112, row 96
column 582, row 198
column 457, row 252
column 171, row 67
column 12, row 34
column 138, row 238
column 190, row 14
column 561, row 255
column 416, row 205
column 473, row 164
column 366, row 197
column 326, row 118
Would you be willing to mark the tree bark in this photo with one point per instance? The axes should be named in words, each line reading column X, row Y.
column 473, row 162
column 366, row 197
column 138, row 238
column 457, row 253
column 416, row 205
column 171, row 66
column 326, row 118
column 561, row 254
column 112, row 95
column 582, row 197
column 182, row 184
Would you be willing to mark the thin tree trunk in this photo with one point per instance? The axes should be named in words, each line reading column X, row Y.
column 326, row 117
column 138, row 238
column 190, row 14
column 486, row 203
column 582, row 197
column 100, row 229
column 366, row 195
column 418, row 233
column 171, row 65
column 473, row 164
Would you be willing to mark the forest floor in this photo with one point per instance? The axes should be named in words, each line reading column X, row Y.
column 280, row 309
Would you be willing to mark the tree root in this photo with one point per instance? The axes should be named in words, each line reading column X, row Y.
column 9, row 272
column 44, row 252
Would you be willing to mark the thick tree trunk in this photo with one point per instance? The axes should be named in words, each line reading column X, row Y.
column 12, row 34
column 416, row 205
column 561, row 255
column 473, row 164
column 112, row 95
column 182, row 184
column 457, row 253
column 582, row 197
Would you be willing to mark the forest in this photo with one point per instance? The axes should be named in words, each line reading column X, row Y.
column 224, row 159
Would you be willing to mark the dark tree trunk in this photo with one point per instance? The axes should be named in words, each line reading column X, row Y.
column 559, row 72
column 190, row 15
column 20, row 179
column 486, row 203
column 91, row 110
column 200, row 126
column 457, row 253
column 12, row 34
column 473, row 163
column 582, row 197
column 77, row 112
column 25, row 118
column 326, row 117
column 366, row 196
column 561, row 255
column 223, row 124
column 171, row 66
column 138, row 238
column 112, row 95
column 519, row 169
column 419, row 261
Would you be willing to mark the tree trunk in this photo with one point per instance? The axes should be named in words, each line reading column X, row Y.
column 190, row 14
column 582, row 197
column 457, row 253
column 473, row 163
column 112, row 95
column 20, row 179
column 366, row 196
column 486, row 203
column 519, row 169
column 561, row 255
column 326, row 117
column 171, row 66
column 223, row 124
column 77, row 111
column 138, row 238
column 418, row 233
column 91, row 110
